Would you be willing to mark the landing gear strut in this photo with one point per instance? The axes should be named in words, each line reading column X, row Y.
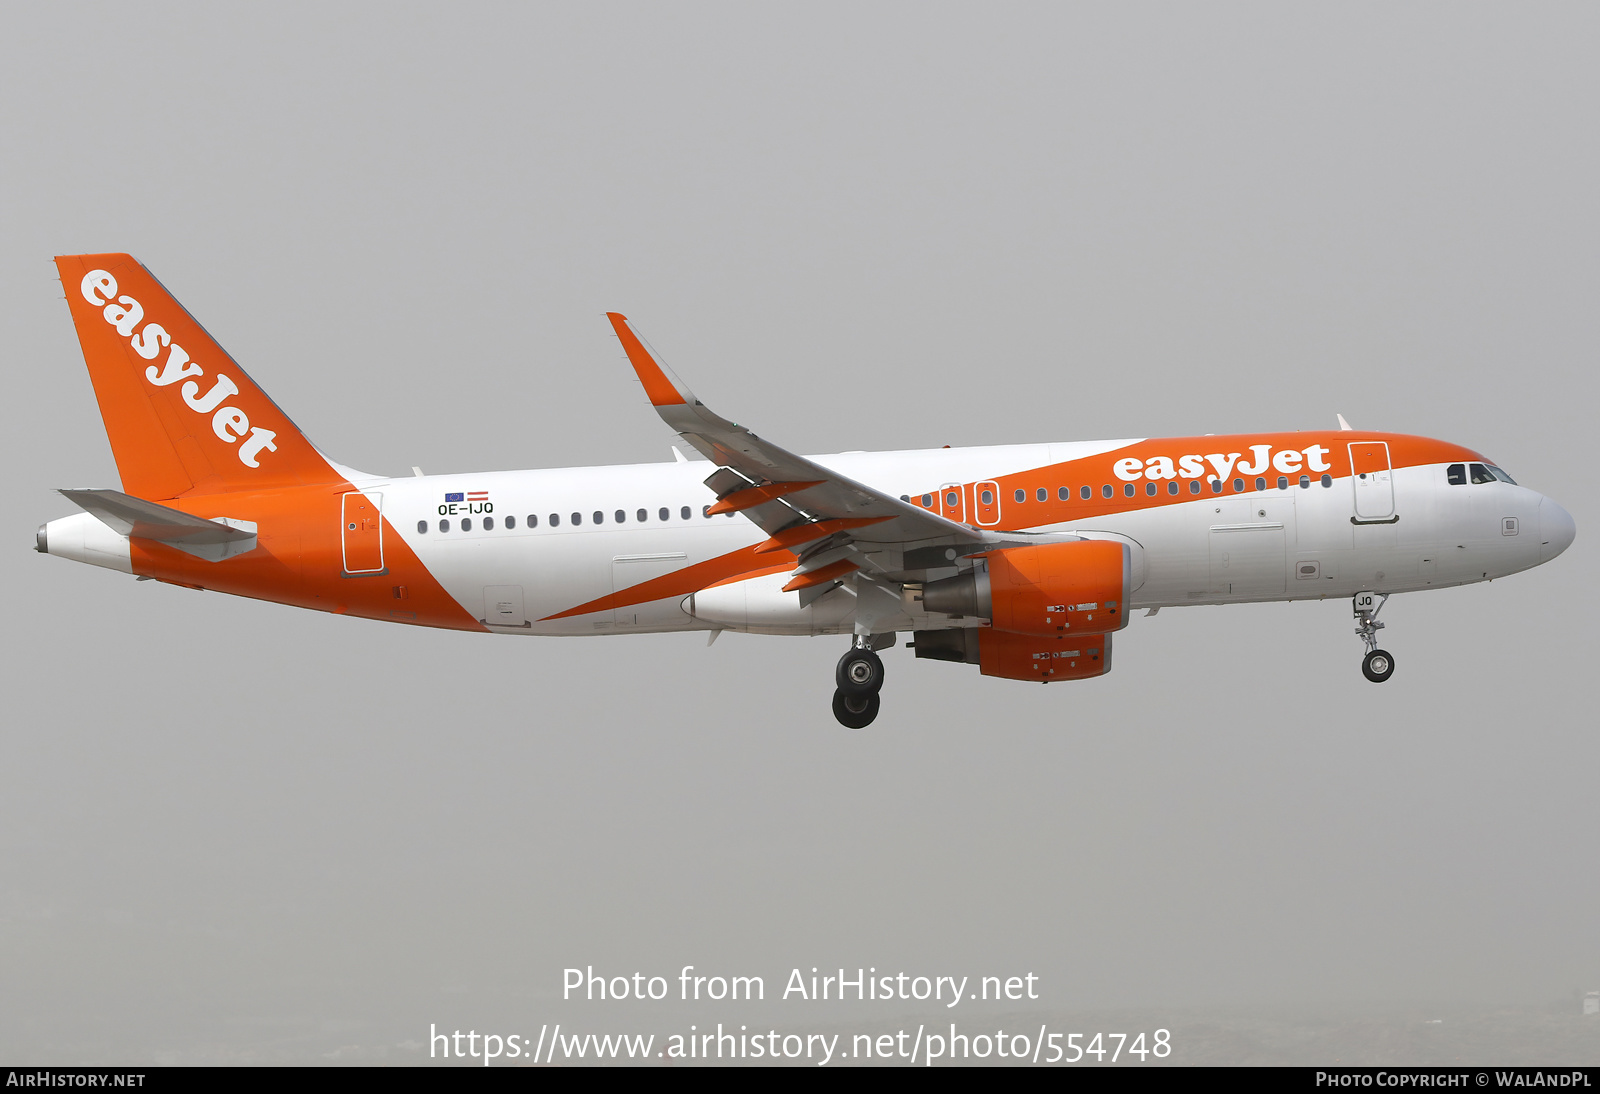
column 859, row 678
column 1377, row 665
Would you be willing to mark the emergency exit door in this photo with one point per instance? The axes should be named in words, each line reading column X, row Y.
column 953, row 502
column 361, row 533
column 988, row 507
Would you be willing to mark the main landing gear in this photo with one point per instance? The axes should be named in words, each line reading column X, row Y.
column 859, row 678
column 1377, row 665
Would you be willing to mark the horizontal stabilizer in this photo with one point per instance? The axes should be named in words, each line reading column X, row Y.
column 130, row 516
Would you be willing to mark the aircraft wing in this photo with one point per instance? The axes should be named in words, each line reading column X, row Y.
column 832, row 522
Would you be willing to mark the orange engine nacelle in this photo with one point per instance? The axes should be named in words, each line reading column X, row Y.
column 1020, row 656
column 1079, row 587
column 1060, row 587
column 1026, row 657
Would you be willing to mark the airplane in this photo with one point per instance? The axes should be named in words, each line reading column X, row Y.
column 1024, row 560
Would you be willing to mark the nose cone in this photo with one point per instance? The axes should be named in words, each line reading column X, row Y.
column 1557, row 530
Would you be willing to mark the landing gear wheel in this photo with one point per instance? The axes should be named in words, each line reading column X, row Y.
column 860, row 673
column 855, row 711
column 1378, row 666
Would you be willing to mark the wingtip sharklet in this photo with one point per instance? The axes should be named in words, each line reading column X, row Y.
column 663, row 388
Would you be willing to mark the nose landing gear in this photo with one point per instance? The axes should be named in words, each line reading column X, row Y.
column 859, row 678
column 1377, row 665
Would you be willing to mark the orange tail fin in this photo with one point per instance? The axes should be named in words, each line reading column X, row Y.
column 182, row 416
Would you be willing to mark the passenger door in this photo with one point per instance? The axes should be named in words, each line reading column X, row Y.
column 1373, row 480
column 361, row 533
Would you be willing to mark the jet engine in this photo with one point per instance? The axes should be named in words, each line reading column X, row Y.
column 1048, row 590
column 1019, row 656
column 1051, row 611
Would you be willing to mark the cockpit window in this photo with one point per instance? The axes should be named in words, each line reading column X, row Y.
column 1456, row 474
column 1481, row 474
column 1501, row 475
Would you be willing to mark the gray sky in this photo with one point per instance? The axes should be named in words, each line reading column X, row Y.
column 232, row 830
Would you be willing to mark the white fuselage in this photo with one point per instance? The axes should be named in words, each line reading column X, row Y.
column 1289, row 544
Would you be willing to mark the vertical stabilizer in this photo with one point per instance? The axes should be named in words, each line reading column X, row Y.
column 182, row 416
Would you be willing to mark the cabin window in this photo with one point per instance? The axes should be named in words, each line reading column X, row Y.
column 555, row 520
column 1085, row 493
column 511, row 522
column 1021, row 495
column 422, row 527
column 1216, row 486
column 1283, row 482
column 905, row 497
column 599, row 517
column 1194, row 486
column 684, row 513
column 1064, row 493
column 466, row 524
column 488, row 524
column 1127, row 491
column 1150, row 489
column 664, row 514
column 1041, row 494
column 1238, row 486
column 1261, row 484
column 577, row 519
column 444, row 526
column 927, row 501
column 1172, row 487
column 533, row 521
column 642, row 515
column 1305, row 482
column 988, row 497
column 705, row 511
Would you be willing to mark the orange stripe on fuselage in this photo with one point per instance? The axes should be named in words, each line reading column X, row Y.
column 1099, row 471
column 299, row 561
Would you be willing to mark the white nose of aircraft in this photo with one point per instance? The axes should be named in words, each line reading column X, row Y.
column 1557, row 530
